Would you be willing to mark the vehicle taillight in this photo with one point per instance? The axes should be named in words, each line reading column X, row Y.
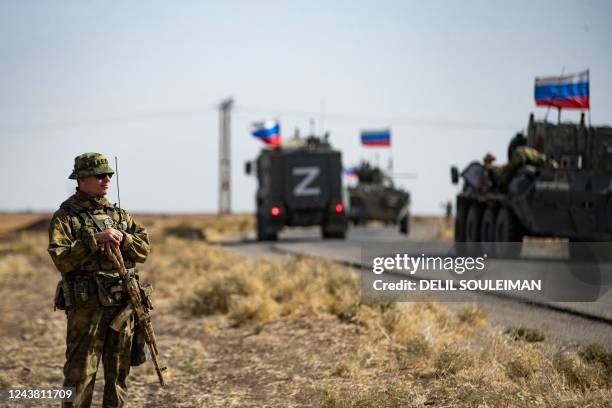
column 339, row 208
column 275, row 210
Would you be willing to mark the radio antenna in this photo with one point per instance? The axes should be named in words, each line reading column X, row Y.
column 118, row 196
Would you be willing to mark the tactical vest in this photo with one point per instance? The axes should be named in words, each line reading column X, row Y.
column 96, row 220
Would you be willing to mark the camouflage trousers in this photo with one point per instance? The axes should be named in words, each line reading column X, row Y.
column 89, row 339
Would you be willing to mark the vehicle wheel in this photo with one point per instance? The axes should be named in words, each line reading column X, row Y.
column 487, row 231
column 342, row 234
column 472, row 229
column 460, row 218
column 327, row 233
column 508, row 234
column 262, row 234
column 472, row 224
column 261, row 229
column 404, row 225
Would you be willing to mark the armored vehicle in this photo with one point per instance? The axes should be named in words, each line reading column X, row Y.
column 376, row 198
column 556, row 184
column 299, row 184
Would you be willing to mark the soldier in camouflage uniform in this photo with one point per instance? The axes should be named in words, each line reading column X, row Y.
column 521, row 156
column 81, row 233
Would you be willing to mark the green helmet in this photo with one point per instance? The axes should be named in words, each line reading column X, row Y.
column 90, row 164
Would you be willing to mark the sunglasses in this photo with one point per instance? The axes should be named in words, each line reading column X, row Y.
column 103, row 176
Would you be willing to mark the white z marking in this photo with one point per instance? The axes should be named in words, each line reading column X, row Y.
column 302, row 188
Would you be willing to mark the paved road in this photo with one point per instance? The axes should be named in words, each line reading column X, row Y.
column 568, row 327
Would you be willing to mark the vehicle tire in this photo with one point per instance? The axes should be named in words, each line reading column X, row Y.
column 326, row 233
column 262, row 234
column 404, row 225
column 460, row 218
column 342, row 234
column 356, row 214
column 508, row 234
column 261, row 229
column 472, row 224
column 487, row 231
column 472, row 229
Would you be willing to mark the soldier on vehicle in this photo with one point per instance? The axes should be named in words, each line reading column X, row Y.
column 519, row 155
column 86, row 228
column 488, row 173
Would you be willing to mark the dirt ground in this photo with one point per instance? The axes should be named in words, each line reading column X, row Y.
column 211, row 362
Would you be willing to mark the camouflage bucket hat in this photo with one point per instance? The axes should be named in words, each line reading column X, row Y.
column 90, row 164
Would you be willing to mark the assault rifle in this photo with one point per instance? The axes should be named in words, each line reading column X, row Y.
column 137, row 307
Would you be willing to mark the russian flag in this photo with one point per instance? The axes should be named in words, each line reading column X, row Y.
column 376, row 137
column 267, row 131
column 350, row 172
column 567, row 91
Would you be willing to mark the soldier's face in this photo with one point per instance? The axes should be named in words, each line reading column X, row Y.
column 96, row 186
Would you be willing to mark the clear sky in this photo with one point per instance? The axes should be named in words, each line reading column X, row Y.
column 141, row 80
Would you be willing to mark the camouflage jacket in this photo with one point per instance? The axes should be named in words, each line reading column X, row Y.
column 72, row 245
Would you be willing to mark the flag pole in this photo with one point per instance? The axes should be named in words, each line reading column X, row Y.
column 546, row 114
column 390, row 162
column 589, row 93
column 390, row 158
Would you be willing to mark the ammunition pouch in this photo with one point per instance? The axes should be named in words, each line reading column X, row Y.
column 110, row 290
column 138, row 354
column 59, row 302
column 146, row 289
column 84, row 287
column 139, row 346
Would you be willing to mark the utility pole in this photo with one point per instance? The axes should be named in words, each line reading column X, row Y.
column 225, row 156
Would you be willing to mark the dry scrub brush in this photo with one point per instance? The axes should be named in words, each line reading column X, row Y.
column 267, row 289
column 428, row 353
column 204, row 227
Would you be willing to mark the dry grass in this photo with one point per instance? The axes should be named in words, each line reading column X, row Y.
column 428, row 220
column 238, row 332
column 263, row 291
column 200, row 226
column 444, row 233
column 527, row 334
column 596, row 353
